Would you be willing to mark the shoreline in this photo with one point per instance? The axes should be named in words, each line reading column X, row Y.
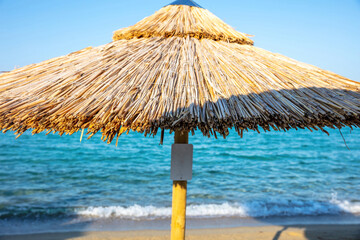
column 55, row 226
column 292, row 232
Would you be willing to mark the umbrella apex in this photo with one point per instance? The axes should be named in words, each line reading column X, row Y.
column 185, row 2
column 183, row 18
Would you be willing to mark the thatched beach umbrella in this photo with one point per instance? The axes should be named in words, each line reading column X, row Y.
column 181, row 69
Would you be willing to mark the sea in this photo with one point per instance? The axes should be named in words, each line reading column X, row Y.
column 52, row 183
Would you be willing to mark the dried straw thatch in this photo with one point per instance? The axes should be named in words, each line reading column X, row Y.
column 183, row 21
column 180, row 69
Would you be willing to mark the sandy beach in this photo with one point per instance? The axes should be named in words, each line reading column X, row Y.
column 313, row 232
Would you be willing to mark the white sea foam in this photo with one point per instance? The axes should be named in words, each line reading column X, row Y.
column 251, row 209
column 132, row 212
column 348, row 207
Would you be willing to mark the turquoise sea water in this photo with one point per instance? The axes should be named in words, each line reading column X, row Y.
column 276, row 174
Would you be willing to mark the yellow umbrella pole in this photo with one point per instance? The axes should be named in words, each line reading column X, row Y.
column 181, row 168
column 178, row 219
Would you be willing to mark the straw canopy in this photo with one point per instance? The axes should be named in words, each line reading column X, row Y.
column 183, row 21
column 179, row 69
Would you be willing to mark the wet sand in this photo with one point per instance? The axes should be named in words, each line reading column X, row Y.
column 300, row 232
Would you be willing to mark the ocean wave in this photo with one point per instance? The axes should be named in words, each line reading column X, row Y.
column 254, row 209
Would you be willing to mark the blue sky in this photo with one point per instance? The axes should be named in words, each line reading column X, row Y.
column 325, row 33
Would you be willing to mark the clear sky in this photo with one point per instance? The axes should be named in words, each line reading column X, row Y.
column 325, row 33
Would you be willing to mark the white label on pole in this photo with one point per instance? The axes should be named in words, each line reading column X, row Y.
column 181, row 162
